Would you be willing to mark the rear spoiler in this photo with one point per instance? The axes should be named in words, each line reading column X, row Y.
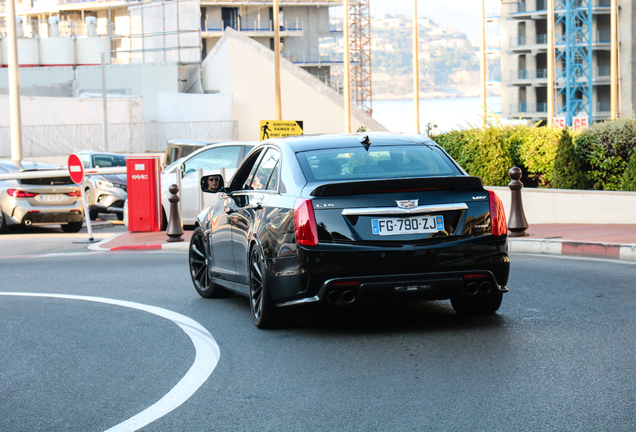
column 398, row 185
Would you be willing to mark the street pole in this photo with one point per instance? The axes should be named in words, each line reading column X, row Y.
column 105, row 102
column 614, row 61
column 550, row 65
column 346, row 63
column 15, row 114
column 279, row 109
column 416, row 70
column 483, row 61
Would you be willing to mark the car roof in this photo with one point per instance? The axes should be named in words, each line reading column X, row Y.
column 328, row 141
column 93, row 152
column 222, row 144
column 27, row 165
column 196, row 142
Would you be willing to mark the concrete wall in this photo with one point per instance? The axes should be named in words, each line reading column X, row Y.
column 560, row 206
column 245, row 68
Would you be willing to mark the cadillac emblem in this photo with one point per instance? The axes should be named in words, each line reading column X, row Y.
column 407, row 204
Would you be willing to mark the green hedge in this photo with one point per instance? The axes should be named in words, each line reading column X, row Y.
column 596, row 158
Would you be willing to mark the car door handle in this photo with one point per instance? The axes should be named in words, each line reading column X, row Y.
column 256, row 206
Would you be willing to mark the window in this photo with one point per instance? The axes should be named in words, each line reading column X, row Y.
column 214, row 158
column 267, row 169
column 377, row 163
column 108, row 161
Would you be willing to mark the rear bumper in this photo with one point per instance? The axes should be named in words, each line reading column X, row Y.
column 50, row 218
column 45, row 215
column 381, row 274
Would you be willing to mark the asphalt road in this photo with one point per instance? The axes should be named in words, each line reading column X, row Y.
column 559, row 355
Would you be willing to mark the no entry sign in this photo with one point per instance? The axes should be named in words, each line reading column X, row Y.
column 75, row 168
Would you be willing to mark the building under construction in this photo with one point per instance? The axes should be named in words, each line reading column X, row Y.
column 185, row 31
column 582, row 53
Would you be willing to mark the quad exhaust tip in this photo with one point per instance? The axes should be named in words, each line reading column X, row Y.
column 333, row 297
column 485, row 287
column 348, row 296
column 472, row 289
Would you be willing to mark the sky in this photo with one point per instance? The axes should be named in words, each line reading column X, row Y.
column 461, row 14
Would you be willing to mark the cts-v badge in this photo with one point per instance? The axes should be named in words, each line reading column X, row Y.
column 407, row 204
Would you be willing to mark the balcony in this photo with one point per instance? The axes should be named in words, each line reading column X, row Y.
column 528, row 74
column 254, row 27
column 528, row 109
column 528, row 42
column 524, row 9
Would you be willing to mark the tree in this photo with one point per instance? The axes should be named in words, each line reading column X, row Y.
column 568, row 168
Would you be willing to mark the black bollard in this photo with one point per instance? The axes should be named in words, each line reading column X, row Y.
column 517, row 223
column 174, row 230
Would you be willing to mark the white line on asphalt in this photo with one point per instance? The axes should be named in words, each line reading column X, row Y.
column 206, row 358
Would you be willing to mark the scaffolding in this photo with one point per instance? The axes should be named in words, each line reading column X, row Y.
column 360, row 47
column 573, row 58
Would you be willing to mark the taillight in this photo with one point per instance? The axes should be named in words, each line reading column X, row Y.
column 497, row 215
column 305, row 223
column 17, row 193
column 76, row 193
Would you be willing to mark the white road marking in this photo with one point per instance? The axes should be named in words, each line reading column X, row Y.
column 206, row 358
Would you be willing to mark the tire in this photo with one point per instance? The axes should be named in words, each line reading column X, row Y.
column 164, row 219
column 72, row 227
column 92, row 212
column 120, row 216
column 265, row 313
column 4, row 228
column 479, row 304
column 199, row 269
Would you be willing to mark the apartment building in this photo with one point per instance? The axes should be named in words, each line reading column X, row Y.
column 582, row 66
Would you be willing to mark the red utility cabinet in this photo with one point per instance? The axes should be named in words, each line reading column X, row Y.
column 144, row 193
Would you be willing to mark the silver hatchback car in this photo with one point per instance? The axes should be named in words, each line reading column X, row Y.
column 39, row 201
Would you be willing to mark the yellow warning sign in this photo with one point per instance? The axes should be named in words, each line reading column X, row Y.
column 280, row 128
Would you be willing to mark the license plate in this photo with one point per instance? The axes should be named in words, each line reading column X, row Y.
column 410, row 225
column 52, row 198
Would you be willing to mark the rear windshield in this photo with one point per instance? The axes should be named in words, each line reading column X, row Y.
column 108, row 161
column 377, row 163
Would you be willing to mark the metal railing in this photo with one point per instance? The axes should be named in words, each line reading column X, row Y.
column 603, row 106
column 603, row 71
column 528, row 74
column 528, row 108
column 541, row 5
column 42, row 29
column 519, row 41
column 312, row 58
column 53, row 140
column 251, row 25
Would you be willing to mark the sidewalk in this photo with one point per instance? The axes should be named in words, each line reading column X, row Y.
column 617, row 242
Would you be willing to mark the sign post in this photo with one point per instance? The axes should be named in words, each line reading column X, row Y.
column 76, row 171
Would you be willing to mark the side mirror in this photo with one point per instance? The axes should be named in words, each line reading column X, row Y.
column 212, row 183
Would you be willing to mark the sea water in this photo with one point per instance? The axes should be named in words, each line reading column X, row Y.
column 446, row 114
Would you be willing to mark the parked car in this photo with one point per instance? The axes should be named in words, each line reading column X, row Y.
column 104, row 193
column 178, row 148
column 38, row 201
column 345, row 220
column 211, row 159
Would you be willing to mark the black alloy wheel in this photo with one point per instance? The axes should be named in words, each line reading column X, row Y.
column 199, row 269
column 479, row 304
column 265, row 313
column 72, row 227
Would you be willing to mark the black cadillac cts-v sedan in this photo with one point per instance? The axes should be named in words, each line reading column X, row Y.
column 351, row 219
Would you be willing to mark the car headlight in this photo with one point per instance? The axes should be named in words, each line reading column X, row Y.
column 103, row 184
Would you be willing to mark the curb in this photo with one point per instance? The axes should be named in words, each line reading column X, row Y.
column 613, row 251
